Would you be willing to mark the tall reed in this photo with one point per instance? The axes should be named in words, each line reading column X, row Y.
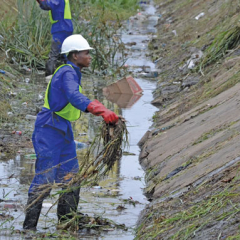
column 27, row 41
column 224, row 43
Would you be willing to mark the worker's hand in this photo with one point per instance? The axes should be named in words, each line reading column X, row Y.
column 98, row 109
column 109, row 117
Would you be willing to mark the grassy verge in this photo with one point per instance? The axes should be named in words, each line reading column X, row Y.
column 187, row 219
column 27, row 39
column 110, row 10
column 221, row 46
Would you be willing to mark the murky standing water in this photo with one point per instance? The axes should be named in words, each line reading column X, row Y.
column 127, row 179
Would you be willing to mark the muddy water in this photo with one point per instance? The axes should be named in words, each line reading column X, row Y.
column 123, row 187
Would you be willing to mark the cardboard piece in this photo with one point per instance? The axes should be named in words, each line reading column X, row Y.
column 125, row 85
column 125, row 92
column 124, row 100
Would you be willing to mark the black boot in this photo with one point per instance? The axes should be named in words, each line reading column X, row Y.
column 32, row 212
column 68, row 203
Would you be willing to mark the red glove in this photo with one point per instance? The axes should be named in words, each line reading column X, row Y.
column 98, row 109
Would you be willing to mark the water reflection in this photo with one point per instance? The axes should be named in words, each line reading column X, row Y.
column 124, row 92
column 123, row 100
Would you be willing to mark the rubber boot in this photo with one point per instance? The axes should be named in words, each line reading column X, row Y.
column 32, row 212
column 68, row 203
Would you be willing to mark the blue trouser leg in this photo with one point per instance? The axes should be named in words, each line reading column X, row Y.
column 56, row 158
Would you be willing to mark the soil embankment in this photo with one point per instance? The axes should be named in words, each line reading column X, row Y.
column 191, row 158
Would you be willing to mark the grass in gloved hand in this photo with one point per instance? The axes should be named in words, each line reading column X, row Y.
column 104, row 151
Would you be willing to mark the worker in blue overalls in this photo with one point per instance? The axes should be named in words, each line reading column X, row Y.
column 62, row 27
column 53, row 139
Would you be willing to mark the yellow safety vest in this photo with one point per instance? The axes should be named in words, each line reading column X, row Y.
column 67, row 13
column 69, row 112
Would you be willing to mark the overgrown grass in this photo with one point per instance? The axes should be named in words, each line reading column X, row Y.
column 109, row 51
column 222, row 45
column 5, row 107
column 99, row 21
column 112, row 9
column 8, row 11
column 27, row 40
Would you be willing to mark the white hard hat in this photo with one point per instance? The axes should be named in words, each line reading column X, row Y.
column 75, row 42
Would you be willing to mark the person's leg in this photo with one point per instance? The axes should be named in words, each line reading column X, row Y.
column 33, row 210
column 47, row 144
column 68, row 202
column 69, row 199
column 54, row 55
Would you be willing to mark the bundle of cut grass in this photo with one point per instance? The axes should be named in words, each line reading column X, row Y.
column 225, row 41
column 104, row 151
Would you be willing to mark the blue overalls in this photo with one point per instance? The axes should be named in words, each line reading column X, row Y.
column 53, row 137
column 54, row 144
column 61, row 29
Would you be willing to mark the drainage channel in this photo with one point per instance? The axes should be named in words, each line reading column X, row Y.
column 119, row 197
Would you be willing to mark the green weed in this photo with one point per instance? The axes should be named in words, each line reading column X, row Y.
column 195, row 217
column 225, row 41
column 27, row 40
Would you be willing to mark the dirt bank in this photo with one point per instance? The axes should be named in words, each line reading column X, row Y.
column 191, row 157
